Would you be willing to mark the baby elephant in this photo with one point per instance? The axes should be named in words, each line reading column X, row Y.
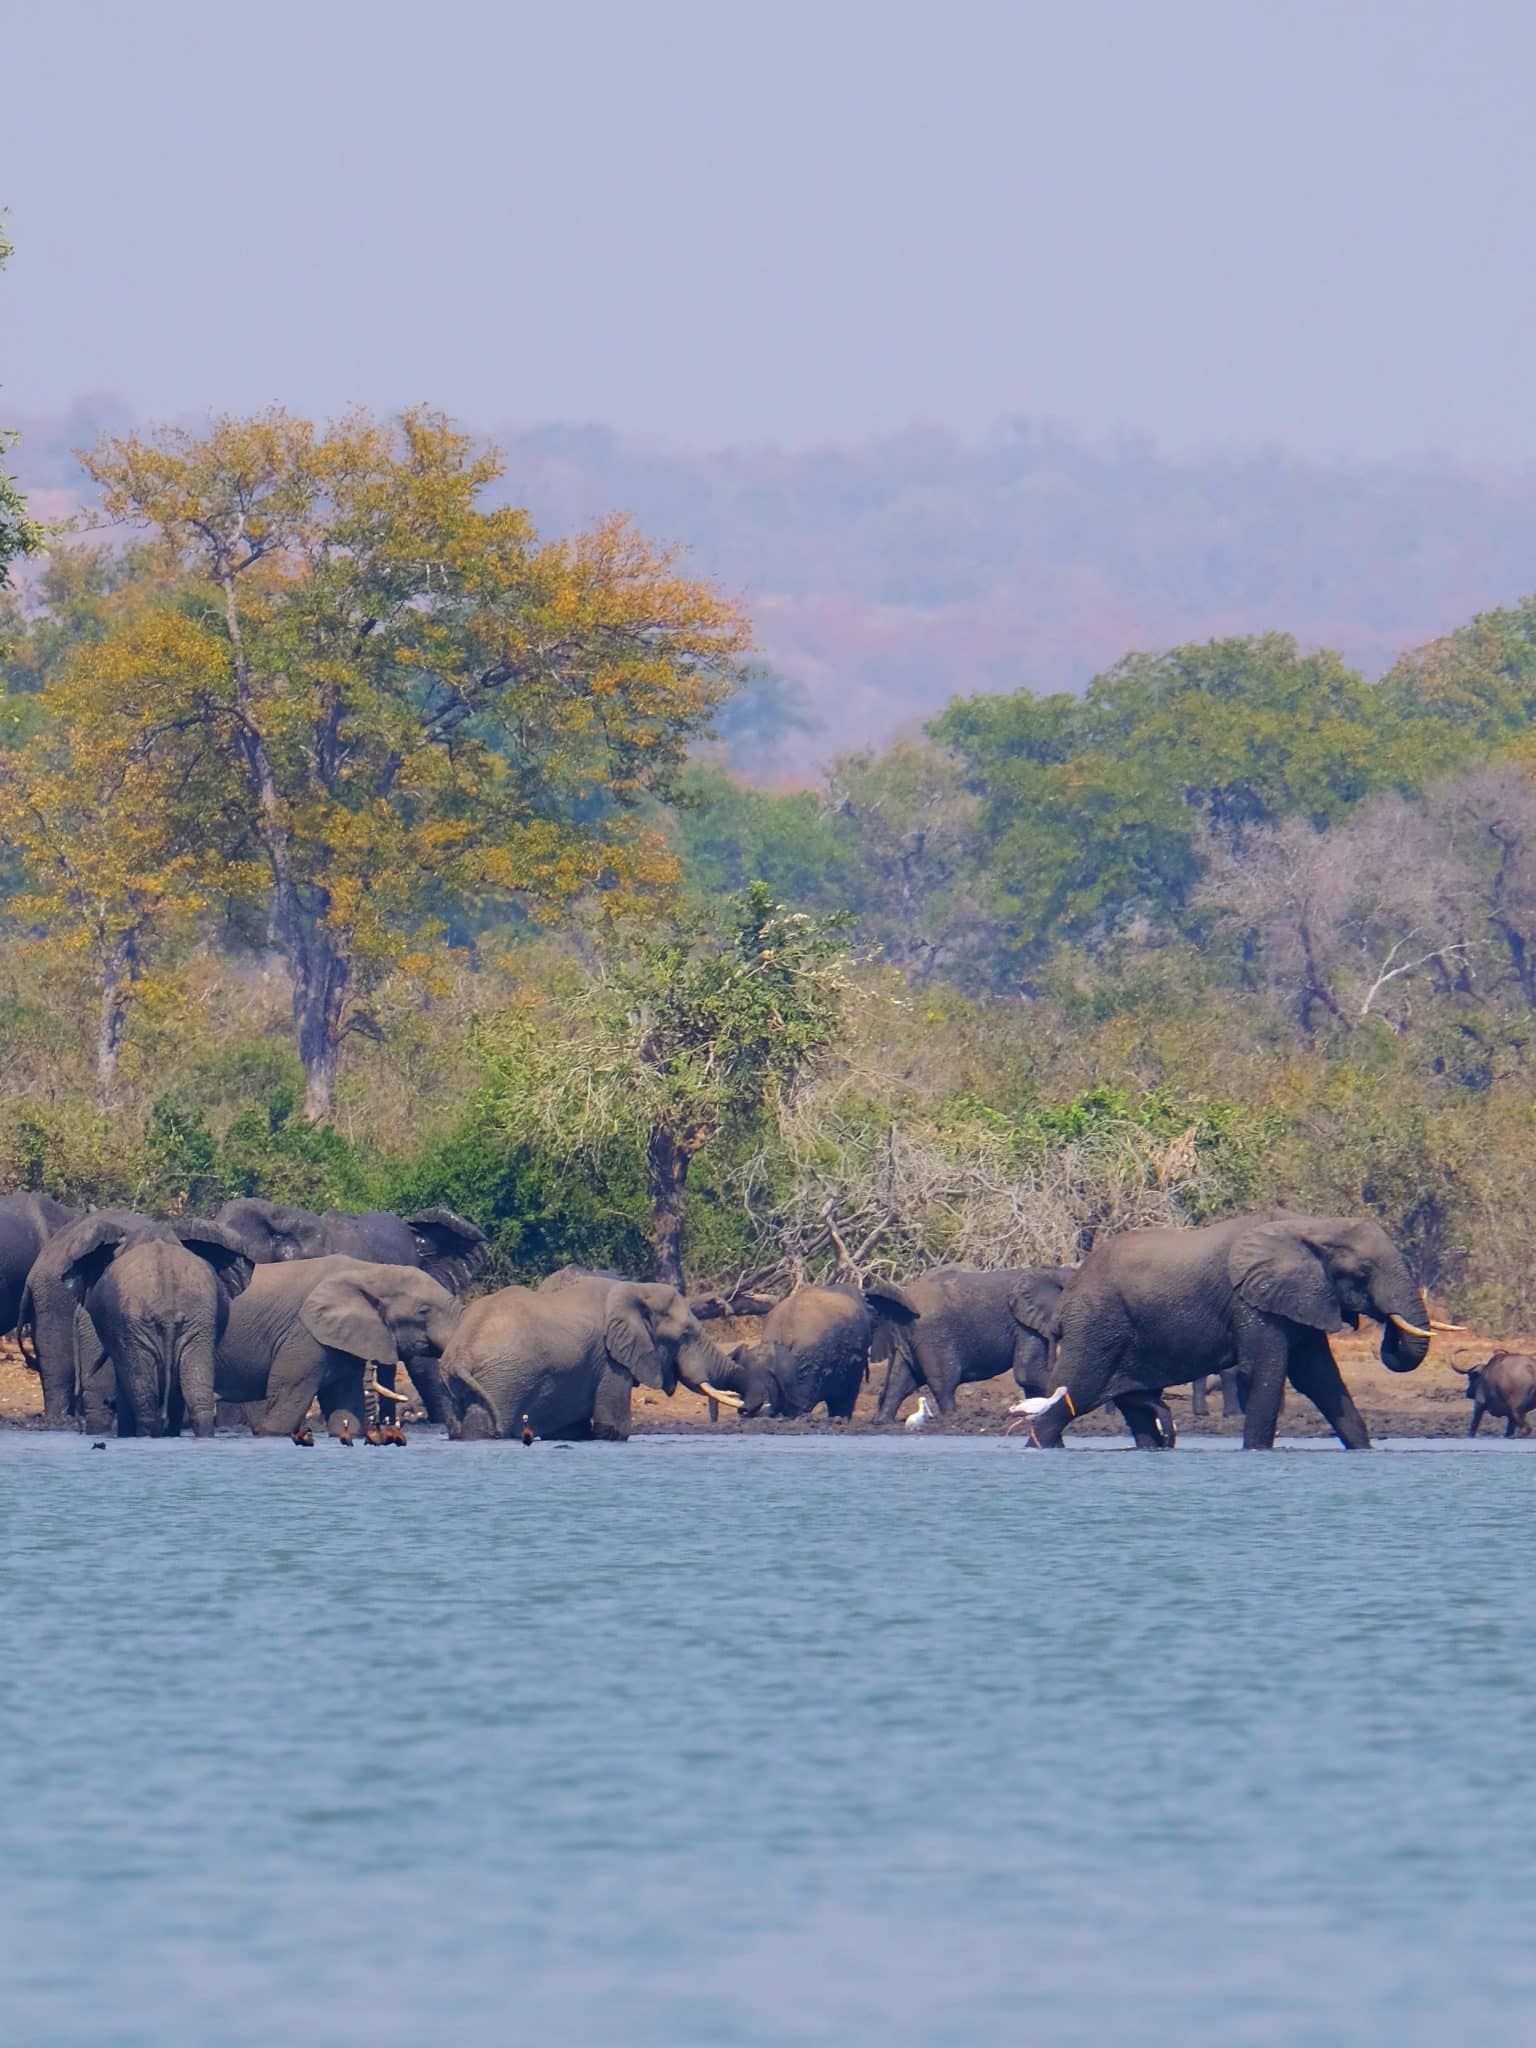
column 1504, row 1385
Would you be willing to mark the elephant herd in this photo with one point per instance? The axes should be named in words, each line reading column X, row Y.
column 146, row 1326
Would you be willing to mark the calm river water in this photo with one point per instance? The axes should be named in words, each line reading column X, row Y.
column 749, row 1741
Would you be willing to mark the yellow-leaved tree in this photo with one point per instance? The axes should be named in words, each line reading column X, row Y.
column 116, row 863
column 370, row 695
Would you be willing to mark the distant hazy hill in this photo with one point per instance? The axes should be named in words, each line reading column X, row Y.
column 887, row 576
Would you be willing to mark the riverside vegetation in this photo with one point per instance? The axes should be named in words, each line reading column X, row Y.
column 361, row 848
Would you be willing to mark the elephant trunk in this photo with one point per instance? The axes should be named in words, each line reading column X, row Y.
column 701, row 1364
column 471, row 1411
column 1405, row 1326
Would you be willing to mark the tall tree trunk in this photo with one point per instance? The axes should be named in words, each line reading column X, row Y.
column 318, row 957
column 667, row 1183
column 118, row 977
column 322, row 973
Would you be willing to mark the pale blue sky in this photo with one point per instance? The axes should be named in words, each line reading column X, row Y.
column 1299, row 221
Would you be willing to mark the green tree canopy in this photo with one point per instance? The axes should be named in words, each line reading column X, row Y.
column 695, row 1038
column 1095, row 810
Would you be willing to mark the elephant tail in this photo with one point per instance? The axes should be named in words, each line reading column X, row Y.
column 475, row 1410
column 26, row 1327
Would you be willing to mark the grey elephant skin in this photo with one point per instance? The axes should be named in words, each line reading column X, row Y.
column 570, row 1359
column 957, row 1324
column 155, row 1297
column 27, row 1222
column 441, row 1243
column 1503, row 1386
column 1260, row 1295
column 308, row 1330
column 814, row 1350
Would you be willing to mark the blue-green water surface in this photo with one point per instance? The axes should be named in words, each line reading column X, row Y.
column 742, row 1740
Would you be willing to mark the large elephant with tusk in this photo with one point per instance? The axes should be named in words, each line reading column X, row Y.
column 1258, row 1294
column 440, row 1242
column 570, row 1360
column 311, row 1330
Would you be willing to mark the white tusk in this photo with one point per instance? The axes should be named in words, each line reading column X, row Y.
column 1445, row 1326
column 389, row 1394
column 719, row 1394
column 1412, row 1329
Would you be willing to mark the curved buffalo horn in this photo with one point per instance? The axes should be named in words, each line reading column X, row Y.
column 1411, row 1329
column 389, row 1394
column 1445, row 1326
column 720, row 1394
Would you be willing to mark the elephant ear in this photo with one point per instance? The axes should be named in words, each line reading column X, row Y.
column 630, row 1343
column 888, row 1298
column 221, row 1249
column 1275, row 1269
column 339, row 1314
column 450, row 1247
column 1036, row 1303
column 94, row 1244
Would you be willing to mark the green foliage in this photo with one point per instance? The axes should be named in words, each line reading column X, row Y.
column 729, row 836
column 1477, row 684
column 1096, row 811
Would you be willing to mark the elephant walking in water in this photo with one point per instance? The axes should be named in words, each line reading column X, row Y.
column 569, row 1360
column 957, row 1325
column 1260, row 1295
column 310, row 1329
column 155, row 1298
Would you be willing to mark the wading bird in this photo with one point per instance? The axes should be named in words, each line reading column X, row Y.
column 922, row 1415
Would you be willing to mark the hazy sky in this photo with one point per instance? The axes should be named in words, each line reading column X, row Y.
column 1304, row 221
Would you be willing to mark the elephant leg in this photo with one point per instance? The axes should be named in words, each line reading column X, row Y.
column 1149, row 1422
column 292, row 1383
column 611, row 1407
column 942, row 1375
column 97, row 1401
column 1231, row 1393
column 1314, row 1373
column 427, row 1379
column 900, row 1382
column 192, row 1392
column 342, row 1401
column 842, row 1401
column 1266, row 1367
column 1198, row 1404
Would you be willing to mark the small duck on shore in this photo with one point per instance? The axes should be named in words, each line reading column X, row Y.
column 392, row 1433
column 304, row 1436
column 344, row 1434
column 528, row 1435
